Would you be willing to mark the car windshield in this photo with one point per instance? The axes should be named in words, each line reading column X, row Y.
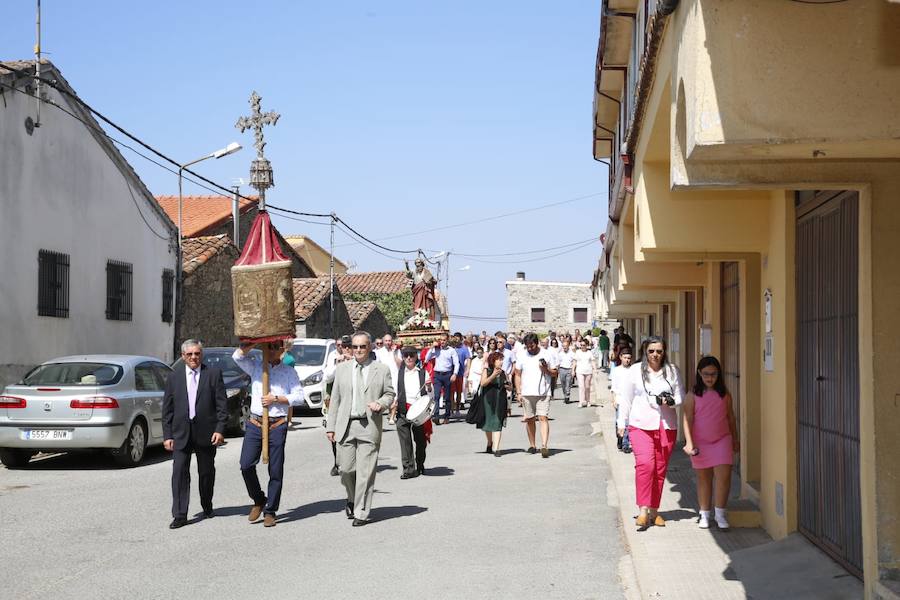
column 221, row 359
column 308, row 355
column 74, row 373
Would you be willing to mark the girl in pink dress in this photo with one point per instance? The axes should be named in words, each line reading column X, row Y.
column 711, row 438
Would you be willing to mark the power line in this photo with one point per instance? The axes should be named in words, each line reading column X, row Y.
column 466, row 318
column 494, row 218
column 531, row 260
column 527, row 251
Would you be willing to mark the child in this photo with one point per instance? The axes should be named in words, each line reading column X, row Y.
column 623, row 360
column 711, row 438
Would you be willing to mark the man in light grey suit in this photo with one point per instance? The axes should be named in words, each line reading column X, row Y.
column 362, row 392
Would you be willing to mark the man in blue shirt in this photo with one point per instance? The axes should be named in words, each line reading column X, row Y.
column 462, row 351
column 446, row 365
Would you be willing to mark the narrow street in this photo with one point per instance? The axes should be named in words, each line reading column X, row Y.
column 476, row 526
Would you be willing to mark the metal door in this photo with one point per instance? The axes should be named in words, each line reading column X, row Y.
column 731, row 333
column 828, row 374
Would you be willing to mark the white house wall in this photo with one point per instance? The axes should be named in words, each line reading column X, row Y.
column 60, row 191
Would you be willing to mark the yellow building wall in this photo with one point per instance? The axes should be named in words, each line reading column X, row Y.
column 737, row 60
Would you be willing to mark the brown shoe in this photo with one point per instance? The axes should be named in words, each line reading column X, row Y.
column 659, row 521
column 255, row 512
column 269, row 520
column 642, row 522
column 445, row 422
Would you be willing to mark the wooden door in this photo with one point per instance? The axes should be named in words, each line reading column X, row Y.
column 828, row 374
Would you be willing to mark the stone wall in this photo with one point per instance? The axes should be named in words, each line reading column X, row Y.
column 316, row 325
column 208, row 312
column 298, row 267
column 558, row 301
column 376, row 323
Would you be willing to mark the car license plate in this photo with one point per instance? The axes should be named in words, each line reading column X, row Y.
column 46, row 434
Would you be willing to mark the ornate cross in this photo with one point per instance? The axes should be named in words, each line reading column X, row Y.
column 256, row 121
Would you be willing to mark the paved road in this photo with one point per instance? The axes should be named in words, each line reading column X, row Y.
column 519, row 526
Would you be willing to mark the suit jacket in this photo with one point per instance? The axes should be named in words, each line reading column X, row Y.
column 211, row 408
column 401, row 388
column 378, row 389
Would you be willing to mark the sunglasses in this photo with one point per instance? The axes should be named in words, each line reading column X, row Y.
column 359, row 346
column 193, row 353
column 654, row 351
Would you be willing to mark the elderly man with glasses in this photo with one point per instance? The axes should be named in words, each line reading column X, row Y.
column 362, row 392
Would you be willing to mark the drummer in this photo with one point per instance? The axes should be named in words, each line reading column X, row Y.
column 412, row 384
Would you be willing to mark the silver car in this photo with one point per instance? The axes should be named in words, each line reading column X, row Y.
column 79, row 402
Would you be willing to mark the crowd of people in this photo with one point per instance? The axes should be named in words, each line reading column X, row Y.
column 371, row 380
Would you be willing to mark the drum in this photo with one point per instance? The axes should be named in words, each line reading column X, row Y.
column 420, row 411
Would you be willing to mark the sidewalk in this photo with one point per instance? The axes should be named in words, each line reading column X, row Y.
column 683, row 561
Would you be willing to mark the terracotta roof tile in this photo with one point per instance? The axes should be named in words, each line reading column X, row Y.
column 378, row 282
column 198, row 250
column 202, row 213
column 309, row 293
column 359, row 312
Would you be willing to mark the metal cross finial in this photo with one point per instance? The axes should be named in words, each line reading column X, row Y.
column 256, row 121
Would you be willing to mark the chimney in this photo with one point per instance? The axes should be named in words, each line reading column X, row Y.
column 520, row 276
column 236, row 217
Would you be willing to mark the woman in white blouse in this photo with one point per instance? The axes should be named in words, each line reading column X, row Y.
column 647, row 399
column 584, row 372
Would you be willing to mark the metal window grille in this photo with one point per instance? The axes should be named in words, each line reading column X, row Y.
column 538, row 315
column 580, row 315
column 53, row 284
column 168, row 292
column 118, row 290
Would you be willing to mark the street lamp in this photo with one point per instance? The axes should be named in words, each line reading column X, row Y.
column 229, row 149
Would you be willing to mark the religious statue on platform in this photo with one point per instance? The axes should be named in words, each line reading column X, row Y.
column 423, row 283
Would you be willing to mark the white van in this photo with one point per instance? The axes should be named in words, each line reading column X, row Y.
column 311, row 356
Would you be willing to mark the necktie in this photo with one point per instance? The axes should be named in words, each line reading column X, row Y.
column 192, row 394
column 359, row 408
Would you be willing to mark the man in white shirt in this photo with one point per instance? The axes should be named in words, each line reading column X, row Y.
column 446, row 366
column 618, row 375
column 566, row 361
column 533, row 383
column 285, row 390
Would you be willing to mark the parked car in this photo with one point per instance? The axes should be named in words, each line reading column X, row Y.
column 311, row 356
column 237, row 384
column 79, row 402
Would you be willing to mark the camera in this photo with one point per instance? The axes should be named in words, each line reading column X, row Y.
column 665, row 397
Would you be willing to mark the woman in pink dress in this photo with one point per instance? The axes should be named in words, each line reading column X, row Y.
column 711, row 438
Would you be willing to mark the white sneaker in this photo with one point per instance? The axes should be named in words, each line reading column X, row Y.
column 704, row 519
column 721, row 521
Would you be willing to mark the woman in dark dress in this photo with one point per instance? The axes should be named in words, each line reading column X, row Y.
column 493, row 395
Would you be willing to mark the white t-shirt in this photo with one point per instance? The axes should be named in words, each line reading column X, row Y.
column 566, row 359
column 475, row 367
column 534, row 381
column 618, row 375
column 411, row 384
column 584, row 362
column 388, row 358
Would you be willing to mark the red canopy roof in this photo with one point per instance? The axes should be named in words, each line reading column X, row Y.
column 262, row 245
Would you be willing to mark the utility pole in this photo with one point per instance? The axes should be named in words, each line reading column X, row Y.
column 331, row 280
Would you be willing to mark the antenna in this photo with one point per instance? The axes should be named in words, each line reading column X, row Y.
column 37, row 66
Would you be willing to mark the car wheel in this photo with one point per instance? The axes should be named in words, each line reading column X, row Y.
column 131, row 452
column 15, row 458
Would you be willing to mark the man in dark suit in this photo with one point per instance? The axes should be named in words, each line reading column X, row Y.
column 195, row 412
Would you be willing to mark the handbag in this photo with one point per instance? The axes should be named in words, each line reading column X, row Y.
column 475, row 414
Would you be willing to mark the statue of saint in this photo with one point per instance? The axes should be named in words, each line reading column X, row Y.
column 423, row 283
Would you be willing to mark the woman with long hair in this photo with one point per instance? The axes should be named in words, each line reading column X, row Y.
column 647, row 396
column 711, row 438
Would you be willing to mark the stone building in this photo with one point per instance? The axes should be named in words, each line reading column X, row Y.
column 213, row 215
column 317, row 257
column 207, row 312
column 542, row 306
column 312, row 308
column 366, row 316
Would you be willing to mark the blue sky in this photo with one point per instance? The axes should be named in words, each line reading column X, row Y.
column 399, row 115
